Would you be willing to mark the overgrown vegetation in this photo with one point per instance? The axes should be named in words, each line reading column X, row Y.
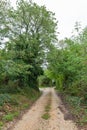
column 17, row 103
column 67, row 67
column 27, row 37
column 26, row 34
column 44, row 81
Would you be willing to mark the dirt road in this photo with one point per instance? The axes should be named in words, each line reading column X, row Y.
column 33, row 120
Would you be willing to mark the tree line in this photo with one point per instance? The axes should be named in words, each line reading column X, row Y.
column 68, row 65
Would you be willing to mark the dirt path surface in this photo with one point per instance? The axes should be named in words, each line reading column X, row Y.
column 33, row 120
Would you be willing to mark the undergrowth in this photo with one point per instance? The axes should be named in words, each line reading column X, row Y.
column 11, row 105
column 77, row 108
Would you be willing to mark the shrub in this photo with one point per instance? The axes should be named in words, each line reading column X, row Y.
column 4, row 98
column 10, row 116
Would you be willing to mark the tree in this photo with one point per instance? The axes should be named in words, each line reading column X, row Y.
column 31, row 30
column 68, row 66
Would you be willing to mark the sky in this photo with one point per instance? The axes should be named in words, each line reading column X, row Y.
column 67, row 12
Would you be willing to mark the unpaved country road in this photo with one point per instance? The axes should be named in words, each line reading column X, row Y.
column 33, row 120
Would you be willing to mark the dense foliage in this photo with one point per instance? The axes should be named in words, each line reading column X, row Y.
column 27, row 47
column 68, row 65
column 26, row 32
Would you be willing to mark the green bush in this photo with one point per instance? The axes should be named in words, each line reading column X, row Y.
column 4, row 98
column 74, row 101
column 10, row 116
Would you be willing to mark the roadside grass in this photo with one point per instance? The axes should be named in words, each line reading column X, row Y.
column 10, row 116
column 77, row 108
column 46, row 114
column 12, row 105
